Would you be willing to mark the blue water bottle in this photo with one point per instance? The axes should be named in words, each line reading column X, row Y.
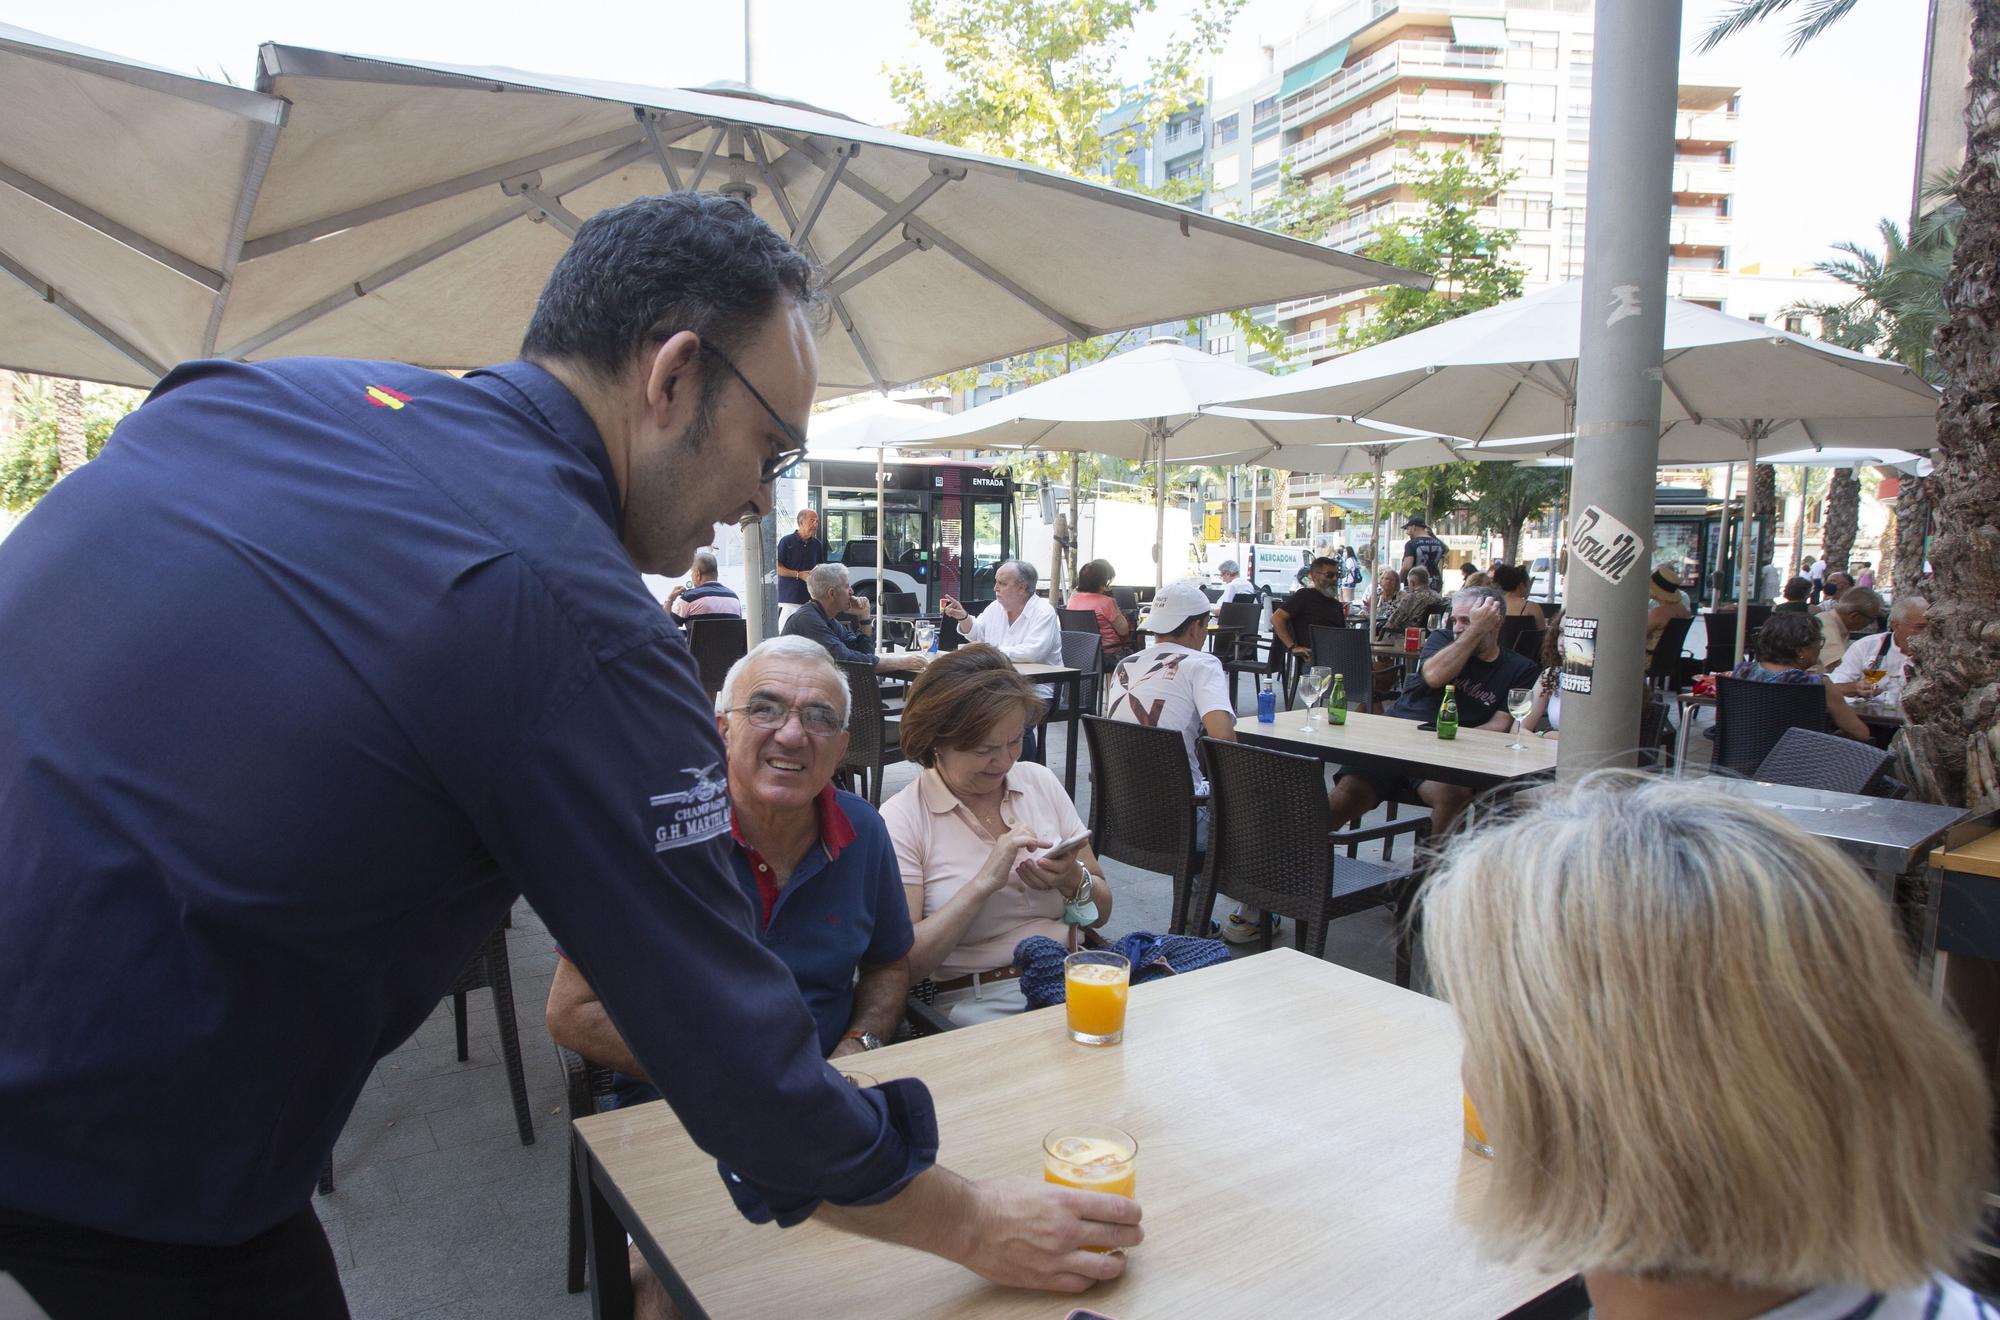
column 1267, row 700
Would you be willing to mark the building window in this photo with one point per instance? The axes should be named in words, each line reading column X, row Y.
column 1264, row 195
column 1264, row 112
column 1228, row 169
column 1532, row 103
column 1535, row 159
column 1264, row 153
column 1795, row 323
column 1191, row 170
column 1225, row 130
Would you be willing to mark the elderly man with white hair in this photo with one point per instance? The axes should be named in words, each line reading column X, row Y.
column 1233, row 585
column 1885, row 653
column 822, row 619
column 814, row 862
column 1021, row 624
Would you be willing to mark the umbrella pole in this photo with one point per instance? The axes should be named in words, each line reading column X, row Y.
column 1160, row 508
column 1375, row 539
column 1744, row 565
column 754, row 601
column 881, row 541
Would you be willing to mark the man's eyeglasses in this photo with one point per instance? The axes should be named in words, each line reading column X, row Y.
column 770, row 713
column 785, row 459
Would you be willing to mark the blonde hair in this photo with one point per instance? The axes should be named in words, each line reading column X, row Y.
column 1698, row 1049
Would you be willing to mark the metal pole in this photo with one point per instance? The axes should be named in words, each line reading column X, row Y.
column 755, row 600
column 1714, row 575
column 748, row 81
column 1075, row 516
column 1160, row 507
column 1618, row 372
column 1375, row 561
column 1744, row 565
column 881, row 547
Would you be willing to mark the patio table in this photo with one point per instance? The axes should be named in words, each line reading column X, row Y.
column 1299, row 1130
column 1073, row 680
column 1477, row 758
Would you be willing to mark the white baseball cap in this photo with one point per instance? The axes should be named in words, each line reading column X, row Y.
column 1173, row 605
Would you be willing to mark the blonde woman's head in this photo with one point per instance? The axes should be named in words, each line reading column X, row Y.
column 1698, row 1049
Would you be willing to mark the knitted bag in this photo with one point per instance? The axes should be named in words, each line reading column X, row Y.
column 1152, row 956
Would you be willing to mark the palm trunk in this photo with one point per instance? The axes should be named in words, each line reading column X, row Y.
column 72, row 450
column 1914, row 510
column 1799, row 532
column 1954, row 704
column 1843, row 518
column 1769, row 514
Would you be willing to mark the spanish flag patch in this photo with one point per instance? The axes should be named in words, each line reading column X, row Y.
column 384, row 397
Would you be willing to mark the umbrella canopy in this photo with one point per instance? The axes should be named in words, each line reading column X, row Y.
column 1511, row 370
column 124, row 190
column 413, row 210
column 1874, row 456
column 875, row 422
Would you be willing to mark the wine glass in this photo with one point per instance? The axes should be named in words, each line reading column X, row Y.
column 1519, row 702
column 1312, row 687
column 926, row 635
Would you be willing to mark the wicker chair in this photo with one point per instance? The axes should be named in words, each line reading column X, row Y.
column 1345, row 652
column 1826, row 761
column 1750, row 718
column 1246, row 652
column 487, row 967
column 1079, row 621
column 1272, row 843
column 1664, row 669
column 1142, row 803
column 1083, row 651
column 586, row 1085
column 873, row 739
column 1721, row 624
column 716, row 642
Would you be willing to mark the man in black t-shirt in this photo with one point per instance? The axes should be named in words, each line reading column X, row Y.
column 1423, row 548
column 1316, row 604
column 1480, row 672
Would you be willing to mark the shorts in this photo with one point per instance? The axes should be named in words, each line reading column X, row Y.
column 1388, row 787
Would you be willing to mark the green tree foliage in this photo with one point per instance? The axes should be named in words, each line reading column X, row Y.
column 1898, row 301
column 28, row 465
column 1504, row 496
column 1465, row 257
column 1430, row 492
column 1816, row 17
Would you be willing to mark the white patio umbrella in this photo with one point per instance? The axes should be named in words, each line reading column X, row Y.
column 1146, row 405
column 877, row 423
column 1729, row 387
column 413, row 211
column 123, row 192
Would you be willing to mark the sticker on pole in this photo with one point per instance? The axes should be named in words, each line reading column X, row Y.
column 1579, row 653
column 1607, row 547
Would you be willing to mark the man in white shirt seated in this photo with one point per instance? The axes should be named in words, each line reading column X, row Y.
column 1233, row 585
column 1884, row 652
column 1021, row 624
column 1175, row 684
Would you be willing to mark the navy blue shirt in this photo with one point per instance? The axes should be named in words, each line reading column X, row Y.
column 1480, row 689
column 313, row 670
column 841, row 641
column 803, row 553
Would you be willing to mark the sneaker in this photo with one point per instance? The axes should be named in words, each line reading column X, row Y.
column 1238, row 931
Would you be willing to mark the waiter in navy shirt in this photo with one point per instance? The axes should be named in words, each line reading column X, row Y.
column 313, row 671
column 799, row 553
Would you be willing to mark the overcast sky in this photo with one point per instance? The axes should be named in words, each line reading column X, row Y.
column 1829, row 136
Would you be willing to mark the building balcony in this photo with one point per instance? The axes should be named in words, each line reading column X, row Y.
column 1706, row 126
column 1396, row 114
column 1180, row 143
column 1711, row 180
column 1706, row 285
column 1704, row 232
column 1413, row 59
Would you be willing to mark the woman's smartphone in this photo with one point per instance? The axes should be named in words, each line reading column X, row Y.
column 1066, row 847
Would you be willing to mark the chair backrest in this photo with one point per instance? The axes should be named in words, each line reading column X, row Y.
column 1665, row 666
column 1512, row 627
column 1346, row 653
column 1268, row 824
column 899, row 602
column 1127, row 598
column 1750, row 718
column 1243, row 616
column 716, row 641
column 1084, row 651
column 1078, row 620
column 1722, row 653
column 1826, row 761
column 1528, row 642
column 864, row 714
column 1141, row 794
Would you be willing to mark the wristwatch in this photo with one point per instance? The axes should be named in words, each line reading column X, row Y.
column 869, row 1040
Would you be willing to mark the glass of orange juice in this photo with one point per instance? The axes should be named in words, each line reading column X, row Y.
column 1092, row 1157
column 1095, row 983
column 1475, row 1131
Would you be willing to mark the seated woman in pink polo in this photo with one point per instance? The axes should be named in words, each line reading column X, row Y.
column 970, row 832
column 1093, row 593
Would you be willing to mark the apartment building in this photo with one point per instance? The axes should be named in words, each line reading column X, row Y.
column 1349, row 99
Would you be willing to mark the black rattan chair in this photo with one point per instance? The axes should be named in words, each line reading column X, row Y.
column 586, row 1085
column 716, row 642
column 1082, row 651
column 1245, row 651
column 1142, row 803
column 1722, row 654
column 1079, row 621
column 1826, row 761
column 1664, row 669
column 1272, row 843
column 1345, row 651
column 874, row 740
column 1127, row 598
column 1750, row 718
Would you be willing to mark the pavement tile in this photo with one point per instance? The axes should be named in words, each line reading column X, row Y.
column 380, row 1141
column 422, row 1177
column 358, row 1191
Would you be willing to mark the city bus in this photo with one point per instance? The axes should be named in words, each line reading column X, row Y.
column 946, row 524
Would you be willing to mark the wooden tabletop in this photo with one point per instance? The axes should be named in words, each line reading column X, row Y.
column 1299, row 1132
column 1980, row 857
column 1476, row 758
column 1034, row 669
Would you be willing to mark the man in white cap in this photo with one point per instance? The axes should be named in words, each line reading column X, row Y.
column 1175, row 684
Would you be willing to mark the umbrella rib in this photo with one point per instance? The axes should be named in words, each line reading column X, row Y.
column 57, row 200
column 437, row 192
column 239, row 224
column 1073, row 328
column 1668, row 382
column 911, row 243
column 659, row 146
column 423, row 256
column 897, row 214
column 860, row 346
column 707, row 157
column 49, row 294
column 829, row 176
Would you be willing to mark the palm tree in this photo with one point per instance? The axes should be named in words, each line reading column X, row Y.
column 1843, row 519
column 72, row 446
column 1805, row 483
column 1818, row 17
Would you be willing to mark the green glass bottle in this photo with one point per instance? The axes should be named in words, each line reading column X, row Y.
column 1448, row 715
column 1336, row 705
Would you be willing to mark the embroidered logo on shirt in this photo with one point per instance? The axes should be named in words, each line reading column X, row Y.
column 384, row 397
column 696, row 813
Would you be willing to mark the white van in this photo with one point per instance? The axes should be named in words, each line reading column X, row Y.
column 1274, row 570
